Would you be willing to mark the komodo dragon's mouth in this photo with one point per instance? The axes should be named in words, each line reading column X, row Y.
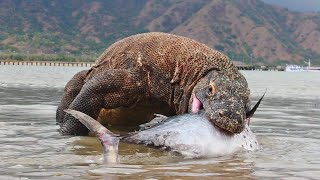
column 196, row 104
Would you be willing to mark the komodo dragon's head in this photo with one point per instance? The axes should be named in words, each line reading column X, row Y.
column 225, row 101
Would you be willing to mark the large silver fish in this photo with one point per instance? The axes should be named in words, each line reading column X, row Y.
column 191, row 135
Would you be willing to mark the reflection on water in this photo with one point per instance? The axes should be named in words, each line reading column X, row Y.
column 287, row 126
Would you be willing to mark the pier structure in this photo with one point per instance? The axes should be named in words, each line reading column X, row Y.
column 89, row 64
column 47, row 63
column 273, row 68
column 246, row 67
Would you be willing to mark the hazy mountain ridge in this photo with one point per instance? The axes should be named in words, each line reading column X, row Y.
column 246, row 30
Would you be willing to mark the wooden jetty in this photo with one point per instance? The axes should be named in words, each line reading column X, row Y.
column 273, row 68
column 47, row 63
column 89, row 64
column 83, row 64
column 246, row 67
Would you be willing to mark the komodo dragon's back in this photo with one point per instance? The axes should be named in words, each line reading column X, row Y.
column 169, row 54
column 177, row 62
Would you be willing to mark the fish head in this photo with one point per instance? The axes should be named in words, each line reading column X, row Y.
column 225, row 100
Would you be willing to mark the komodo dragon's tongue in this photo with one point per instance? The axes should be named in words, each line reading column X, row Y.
column 196, row 104
column 108, row 140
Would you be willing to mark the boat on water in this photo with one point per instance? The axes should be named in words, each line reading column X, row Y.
column 294, row 68
column 297, row 68
column 312, row 68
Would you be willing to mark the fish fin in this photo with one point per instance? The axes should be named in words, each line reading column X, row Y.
column 109, row 140
column 93, row 125
column 253, row 110
column 159, row 118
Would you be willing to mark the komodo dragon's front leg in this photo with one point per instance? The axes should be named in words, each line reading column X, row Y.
column 71, row 90
column 109, row 89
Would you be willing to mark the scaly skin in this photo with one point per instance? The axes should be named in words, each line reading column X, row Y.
column 71, row 90
column 160, row 67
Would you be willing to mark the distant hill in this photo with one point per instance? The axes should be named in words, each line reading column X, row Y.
column 246, row 30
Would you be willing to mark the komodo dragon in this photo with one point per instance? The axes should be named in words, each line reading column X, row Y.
column 175, row 73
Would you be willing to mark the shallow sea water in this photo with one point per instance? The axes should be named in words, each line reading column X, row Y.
column 287, row 125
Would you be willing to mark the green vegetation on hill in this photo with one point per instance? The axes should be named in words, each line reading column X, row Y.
column 247, row 30
column 45, row 57
column 66, row 27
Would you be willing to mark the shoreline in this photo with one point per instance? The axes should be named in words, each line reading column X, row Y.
column 90, row 64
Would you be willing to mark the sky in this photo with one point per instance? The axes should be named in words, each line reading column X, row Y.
column 297, row 5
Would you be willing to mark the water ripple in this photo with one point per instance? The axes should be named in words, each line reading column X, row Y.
column 287, row 127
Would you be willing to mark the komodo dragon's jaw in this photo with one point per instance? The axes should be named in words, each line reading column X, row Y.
column 224, row 100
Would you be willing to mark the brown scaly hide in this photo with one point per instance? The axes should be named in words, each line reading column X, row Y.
column 172, row 64
column 71, row 90
column 143, row 68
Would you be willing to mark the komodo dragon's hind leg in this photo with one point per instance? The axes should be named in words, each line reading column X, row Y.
column 109, row 89
column 71, row 90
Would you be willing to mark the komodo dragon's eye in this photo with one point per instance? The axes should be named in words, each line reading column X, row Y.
column 212, row 89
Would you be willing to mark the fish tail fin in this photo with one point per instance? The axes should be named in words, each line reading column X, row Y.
column 253, row 110
column 109, row 140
